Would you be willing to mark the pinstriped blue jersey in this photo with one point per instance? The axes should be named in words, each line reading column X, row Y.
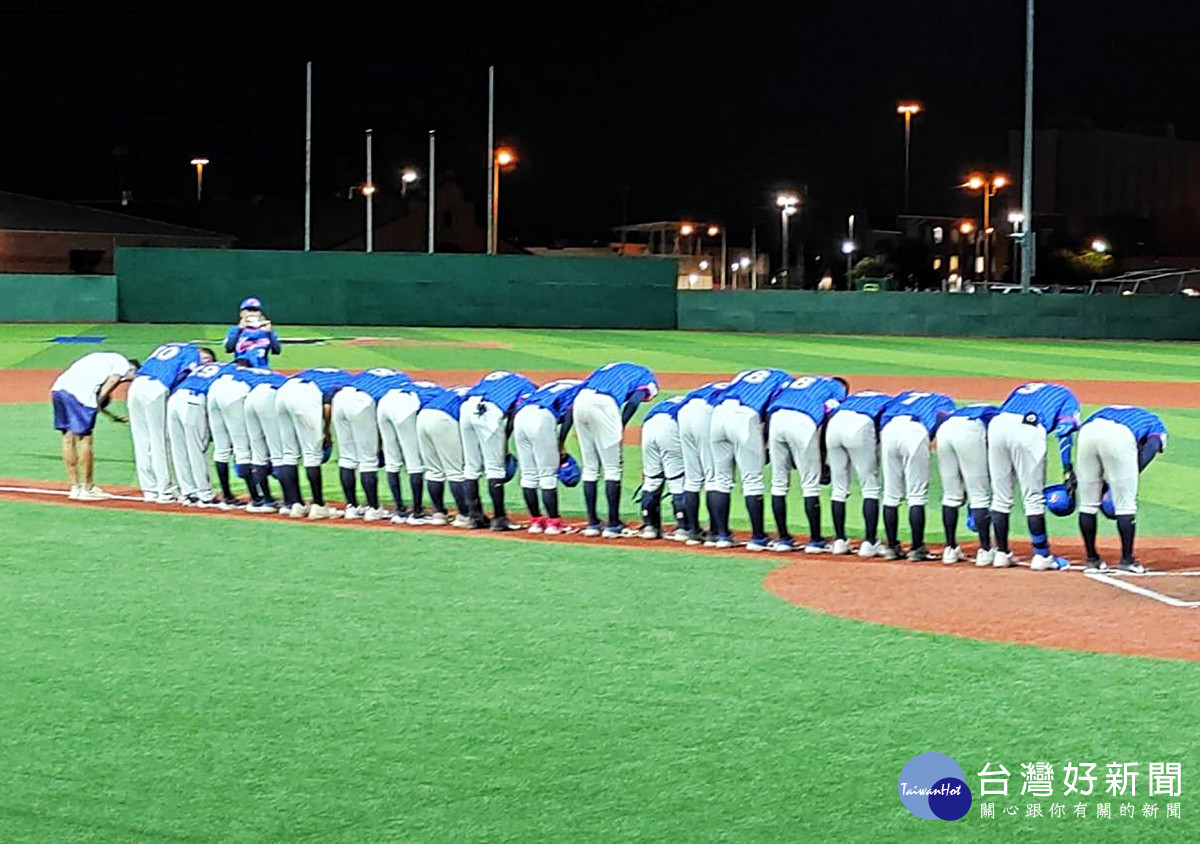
column 425, row 391
column 983, row 412
column 252, row 377
column 930, row 409
column 1141, row 422
column 621, row 380
column 667, row 407
column 449, row 401
column 710, row 392
column 556, row 396
column 867, row 402
column 816, row 396
column 203, row 377
column 503, row 389
column 754, row 388
column 378, row 382
column 170, row 363
column 1054, row 406
column 327, row 379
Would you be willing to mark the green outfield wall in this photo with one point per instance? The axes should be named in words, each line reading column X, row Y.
column 940, row 315
column 34, row 297
column 343, row 288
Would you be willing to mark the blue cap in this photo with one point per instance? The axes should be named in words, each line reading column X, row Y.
column 251, row 303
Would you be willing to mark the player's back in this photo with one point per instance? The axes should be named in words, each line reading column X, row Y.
column 982, row 412
column 1141, row 422
column 379, row 381
column 503, row 388
column 621, row 380
column 253, row 376
column 815, row 396
column 710, row 392
column 754, row 388
column 170, row 363
column 448, row 401
column 1053, row 406
column 930, row 409
column 327, row 379
column 556, row 396
column 667, row 407
column 867, row 402
column 202, row 377
column 425, row 391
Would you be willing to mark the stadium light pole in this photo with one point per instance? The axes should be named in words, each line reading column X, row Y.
column 199, row 163
column 505, row 157
column 308, row 162
column 1029, row 236
column 369, row 192
column 408, row 177
column 786, row 202
column 908, row 110
column 492, row 177
column 989, row 186
column 431, row 186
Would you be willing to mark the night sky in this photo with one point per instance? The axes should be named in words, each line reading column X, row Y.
column 696, row 110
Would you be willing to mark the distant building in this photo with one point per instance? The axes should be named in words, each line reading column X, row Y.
column 45, row 236
column 705, row 260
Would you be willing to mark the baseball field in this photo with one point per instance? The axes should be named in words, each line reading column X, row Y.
column 183, row 675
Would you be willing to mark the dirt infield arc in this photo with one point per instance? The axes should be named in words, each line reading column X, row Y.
column 1052, row 609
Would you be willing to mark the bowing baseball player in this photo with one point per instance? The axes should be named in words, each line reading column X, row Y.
column 440, row 442
column 305, row 410
column 486, row 420
column 662, row 462
column 397, row 420
column 540, row 430
column 263, row 432
column 355, row 413
column 695, row 444
column 962, row 464
column 189, row 434
column 83, row 390
column 852, row 443
column 230, row 436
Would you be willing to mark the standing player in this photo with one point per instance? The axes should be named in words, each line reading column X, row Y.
column 147, row 402
column 662, row 460
column 262, row 429
column 962, row 463
column 908, row 424
column 852, row 441
column 1017, row 449
column 355, row 420
column 82, row 390
column 486, row 420
column 796, row 420
column 397, row 420
column 442, row 453
column 540, row 429
column 1115, row 444
column 607, row 400
column 737, row 433
column 304, row 403
column 189, row 434
column 252, row 339
column 695, row 444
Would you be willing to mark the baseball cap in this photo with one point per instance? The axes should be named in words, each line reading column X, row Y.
column 251, row 303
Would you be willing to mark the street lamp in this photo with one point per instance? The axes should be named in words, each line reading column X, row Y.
column 989, row 185
column 848, row 251
column 408, row 177
column 1100, row 245
column 505, row 157
column 199, row 163
column 908, row 110
column 787, row 204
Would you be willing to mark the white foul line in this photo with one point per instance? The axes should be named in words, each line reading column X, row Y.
column 1141, row 590
column 63, row 493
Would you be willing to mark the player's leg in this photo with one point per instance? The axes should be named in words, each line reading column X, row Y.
column 609, row 431
column 1089, row 471
column 587, row 430
column 138, row 406
column 289, row 442
column 473, row 459
column 916, row 486
column 723, row 466
column 393, row 454
column 492, row 431
column 838, row 456
column 435, row 474
column 1001, row 468
column 308, row 416
column 805, row 445
column 222, row 442
column 750, row 456
column 348, row 452
column 197, row 437
column 864, row 457
column 239, row 435
column 70, row 459
column 525, row 430
column 87, row 461
column 1119, row 456
column 654, row 435
column 177, row 437
column 408, row 406
column 781, row 478
column 366, row 443
column 954, row 491
column 972, row 452
column 1030, row 465
column 695, row 443
column 892, row 455
column 671, row 446
column 259, row 454
column 268, row 414
column 160, row 452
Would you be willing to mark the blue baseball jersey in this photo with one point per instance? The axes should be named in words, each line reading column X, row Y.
column 930, row 409
column 816, row 396
column 503, row 389
column 867, row 402
column 327, row 379
column 754, row 388
column 622, row 380
column 253, row 345
column 983, row 412
column 203, row 377
column 378, row 382
column 1140, row 421
column 556, row 396
column 171, row 363
column 449, row 400
column 667, row 407
column 425, row 391
column 1053, row 405
column 710, row 392
column 253, row 376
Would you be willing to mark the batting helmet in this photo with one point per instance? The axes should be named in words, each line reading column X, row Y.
column 327, row 453
column 240, row 469
column 569, row 472
column 510, row 467
column 1059, row 500
column 1107, row 506
column 971, row 526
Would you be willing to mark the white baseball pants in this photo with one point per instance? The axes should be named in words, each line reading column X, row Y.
column 147, row 403
column 187, row 431
column 1107, row 452
column 737, row 444
column 598, row 425
column 227, row 419
column 484, row 439
column 536, row 433
column 851, row 441
column 795, row 443
column 397, row 421
column 353, row 417
column 904, row 446
column 1017, row 454
column 695, row 442
column 441, row 445
column 301, row 423
column 963, row 463
column 262, row 426
column 662, row 455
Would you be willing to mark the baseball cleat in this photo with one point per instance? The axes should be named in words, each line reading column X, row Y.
column 439, row 519
column 398, row 519
column 592, row 530
column 869, row 549
column 461, row 521
column 354, row 513
column 232, row 504
column 502, row 523
column 92, row 493
column 419, row 519
column 73, row 495
column 783, row 545
column 985, row 557
column 694, row 537
column 1131, row 566
column 649, row 532
column 759, row 543
column 537, row 524
column 952, row 554
column 150, row 497
column 1047, row 562
column 165, row 498
column 920, row 554
column 894, row 552
column 322, row 511
column 188, row 501
column 554, row 527
column 817, row 546
column 375, row 514
column 208, row 503
column 261, row 507
column 298, row 510
column 285, row 510
column 680, row 535
column 724, row 541
column 1004, row 560
column 1095, row 564
column 840, row 547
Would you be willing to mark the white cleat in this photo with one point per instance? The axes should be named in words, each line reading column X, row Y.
column 439, row 519
column 150, row 497
column 73, row 495
column 209, row 503
column 679, row 535
column 723, row 542
column 1004, row 560
column 374, row 514
column 92, row 493
column 952, row 554
column 461, row 521
column 868, row 550
column 418, row 521
column 1047, row 562
column 763, row 544
column 320, row 511
column 840, row 547
column 165, row 498
column 284, row 510
column 649, row 532
column 592, row 530
column 298, row 510
column 985, row 557
column 354, row 513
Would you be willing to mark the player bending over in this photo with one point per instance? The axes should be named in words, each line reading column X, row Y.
column 486, row 420
column 355, row 415
column 540, row 429
column 852, row 442
column 305, row 414
column 662, row 461
column 82, row 390
column 962, row 463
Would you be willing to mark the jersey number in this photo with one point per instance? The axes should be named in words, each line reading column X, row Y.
column 916, row 397
column 165, row 352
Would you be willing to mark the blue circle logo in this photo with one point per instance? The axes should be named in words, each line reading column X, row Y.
column 934, row 787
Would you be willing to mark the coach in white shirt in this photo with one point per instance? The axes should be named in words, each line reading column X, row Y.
column 78, row 394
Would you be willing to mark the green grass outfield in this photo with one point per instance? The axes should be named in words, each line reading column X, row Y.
column 172, row 678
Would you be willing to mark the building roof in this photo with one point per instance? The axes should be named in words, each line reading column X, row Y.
column 31, row 214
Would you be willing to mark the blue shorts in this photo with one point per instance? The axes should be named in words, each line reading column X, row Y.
column 70, row 414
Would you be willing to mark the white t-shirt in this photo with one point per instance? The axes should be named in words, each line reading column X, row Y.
column 84, row 378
